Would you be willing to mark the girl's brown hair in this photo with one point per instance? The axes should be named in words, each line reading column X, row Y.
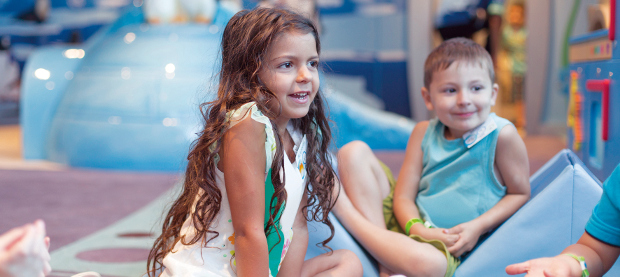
column 245, row 42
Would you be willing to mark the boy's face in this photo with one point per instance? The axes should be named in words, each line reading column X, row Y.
column 461, row 96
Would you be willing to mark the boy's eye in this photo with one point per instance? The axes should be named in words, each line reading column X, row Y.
column 314, row 64
column 450, row 90
column 477, row 88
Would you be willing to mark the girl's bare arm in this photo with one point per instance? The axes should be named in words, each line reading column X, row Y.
column 243, row 163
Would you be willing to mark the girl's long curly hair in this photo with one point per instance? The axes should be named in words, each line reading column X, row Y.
column 246, row 39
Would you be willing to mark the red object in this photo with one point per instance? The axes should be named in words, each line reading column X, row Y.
column 612, row 20
column 603, row 87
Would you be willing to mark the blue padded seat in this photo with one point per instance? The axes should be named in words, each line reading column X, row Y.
column 564, row 192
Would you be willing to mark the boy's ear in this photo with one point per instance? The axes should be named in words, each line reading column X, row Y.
column 494, row 93
column 426, row 95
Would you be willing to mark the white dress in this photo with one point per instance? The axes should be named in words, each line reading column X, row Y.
column 215, row 259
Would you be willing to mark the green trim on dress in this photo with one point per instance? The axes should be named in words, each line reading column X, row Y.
column 275, row 236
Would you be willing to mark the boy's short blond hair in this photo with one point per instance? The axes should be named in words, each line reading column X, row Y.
column 456, row 49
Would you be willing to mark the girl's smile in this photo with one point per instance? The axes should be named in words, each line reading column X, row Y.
column 300, row 97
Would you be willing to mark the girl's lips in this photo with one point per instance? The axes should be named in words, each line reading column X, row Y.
column 300, row 97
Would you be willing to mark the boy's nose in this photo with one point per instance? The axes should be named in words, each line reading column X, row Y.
column 463, row 98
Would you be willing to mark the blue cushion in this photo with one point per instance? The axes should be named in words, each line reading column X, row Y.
column 554, row 218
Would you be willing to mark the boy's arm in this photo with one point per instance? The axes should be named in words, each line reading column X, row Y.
column 407, row 186
column 512, row 163
column 599, row 257
column 294, row 259
column 409, row 177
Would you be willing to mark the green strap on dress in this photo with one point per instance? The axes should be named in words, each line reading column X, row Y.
column 275, row 237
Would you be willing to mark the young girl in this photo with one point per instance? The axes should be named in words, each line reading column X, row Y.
column 246, row 198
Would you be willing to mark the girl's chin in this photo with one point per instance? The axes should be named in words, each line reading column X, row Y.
column 298, row 113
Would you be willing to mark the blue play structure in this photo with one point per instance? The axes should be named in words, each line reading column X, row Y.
column 130, row 102
column 594, row 117
column 564, row 192
column 128, row 98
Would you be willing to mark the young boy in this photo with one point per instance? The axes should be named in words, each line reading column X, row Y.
column 598, row 248
column 465, row 172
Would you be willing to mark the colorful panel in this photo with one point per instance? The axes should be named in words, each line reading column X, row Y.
column 599, row 49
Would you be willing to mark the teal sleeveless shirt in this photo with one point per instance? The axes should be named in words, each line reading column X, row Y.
column 458, row 183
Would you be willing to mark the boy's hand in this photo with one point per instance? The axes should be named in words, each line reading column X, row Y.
column 439, row 234
column 469, row 233
column 548, row 267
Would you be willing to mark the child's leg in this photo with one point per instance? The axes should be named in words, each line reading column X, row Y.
column 360, row 209
column 338, row 263
column 363, row 180
column 399, row 253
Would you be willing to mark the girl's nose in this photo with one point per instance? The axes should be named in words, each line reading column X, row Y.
column 304, row 75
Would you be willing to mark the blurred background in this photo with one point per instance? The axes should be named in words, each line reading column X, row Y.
column 374, row 52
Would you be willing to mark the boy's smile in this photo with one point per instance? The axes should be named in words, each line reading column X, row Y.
column 461, row 96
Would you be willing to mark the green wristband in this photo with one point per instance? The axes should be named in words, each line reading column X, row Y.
column 582, row 263
column 411, row 222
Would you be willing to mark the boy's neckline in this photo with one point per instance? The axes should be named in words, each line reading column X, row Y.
column 446, row 132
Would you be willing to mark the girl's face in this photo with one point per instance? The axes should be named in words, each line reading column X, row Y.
column 290, row 71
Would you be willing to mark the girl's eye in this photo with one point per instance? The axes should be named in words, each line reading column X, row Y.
column 314, row 64
column 286, row 65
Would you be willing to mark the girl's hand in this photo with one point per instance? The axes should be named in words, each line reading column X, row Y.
column 469, row 233
column 439, row 234
column 561, row 265
column 24, row 251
